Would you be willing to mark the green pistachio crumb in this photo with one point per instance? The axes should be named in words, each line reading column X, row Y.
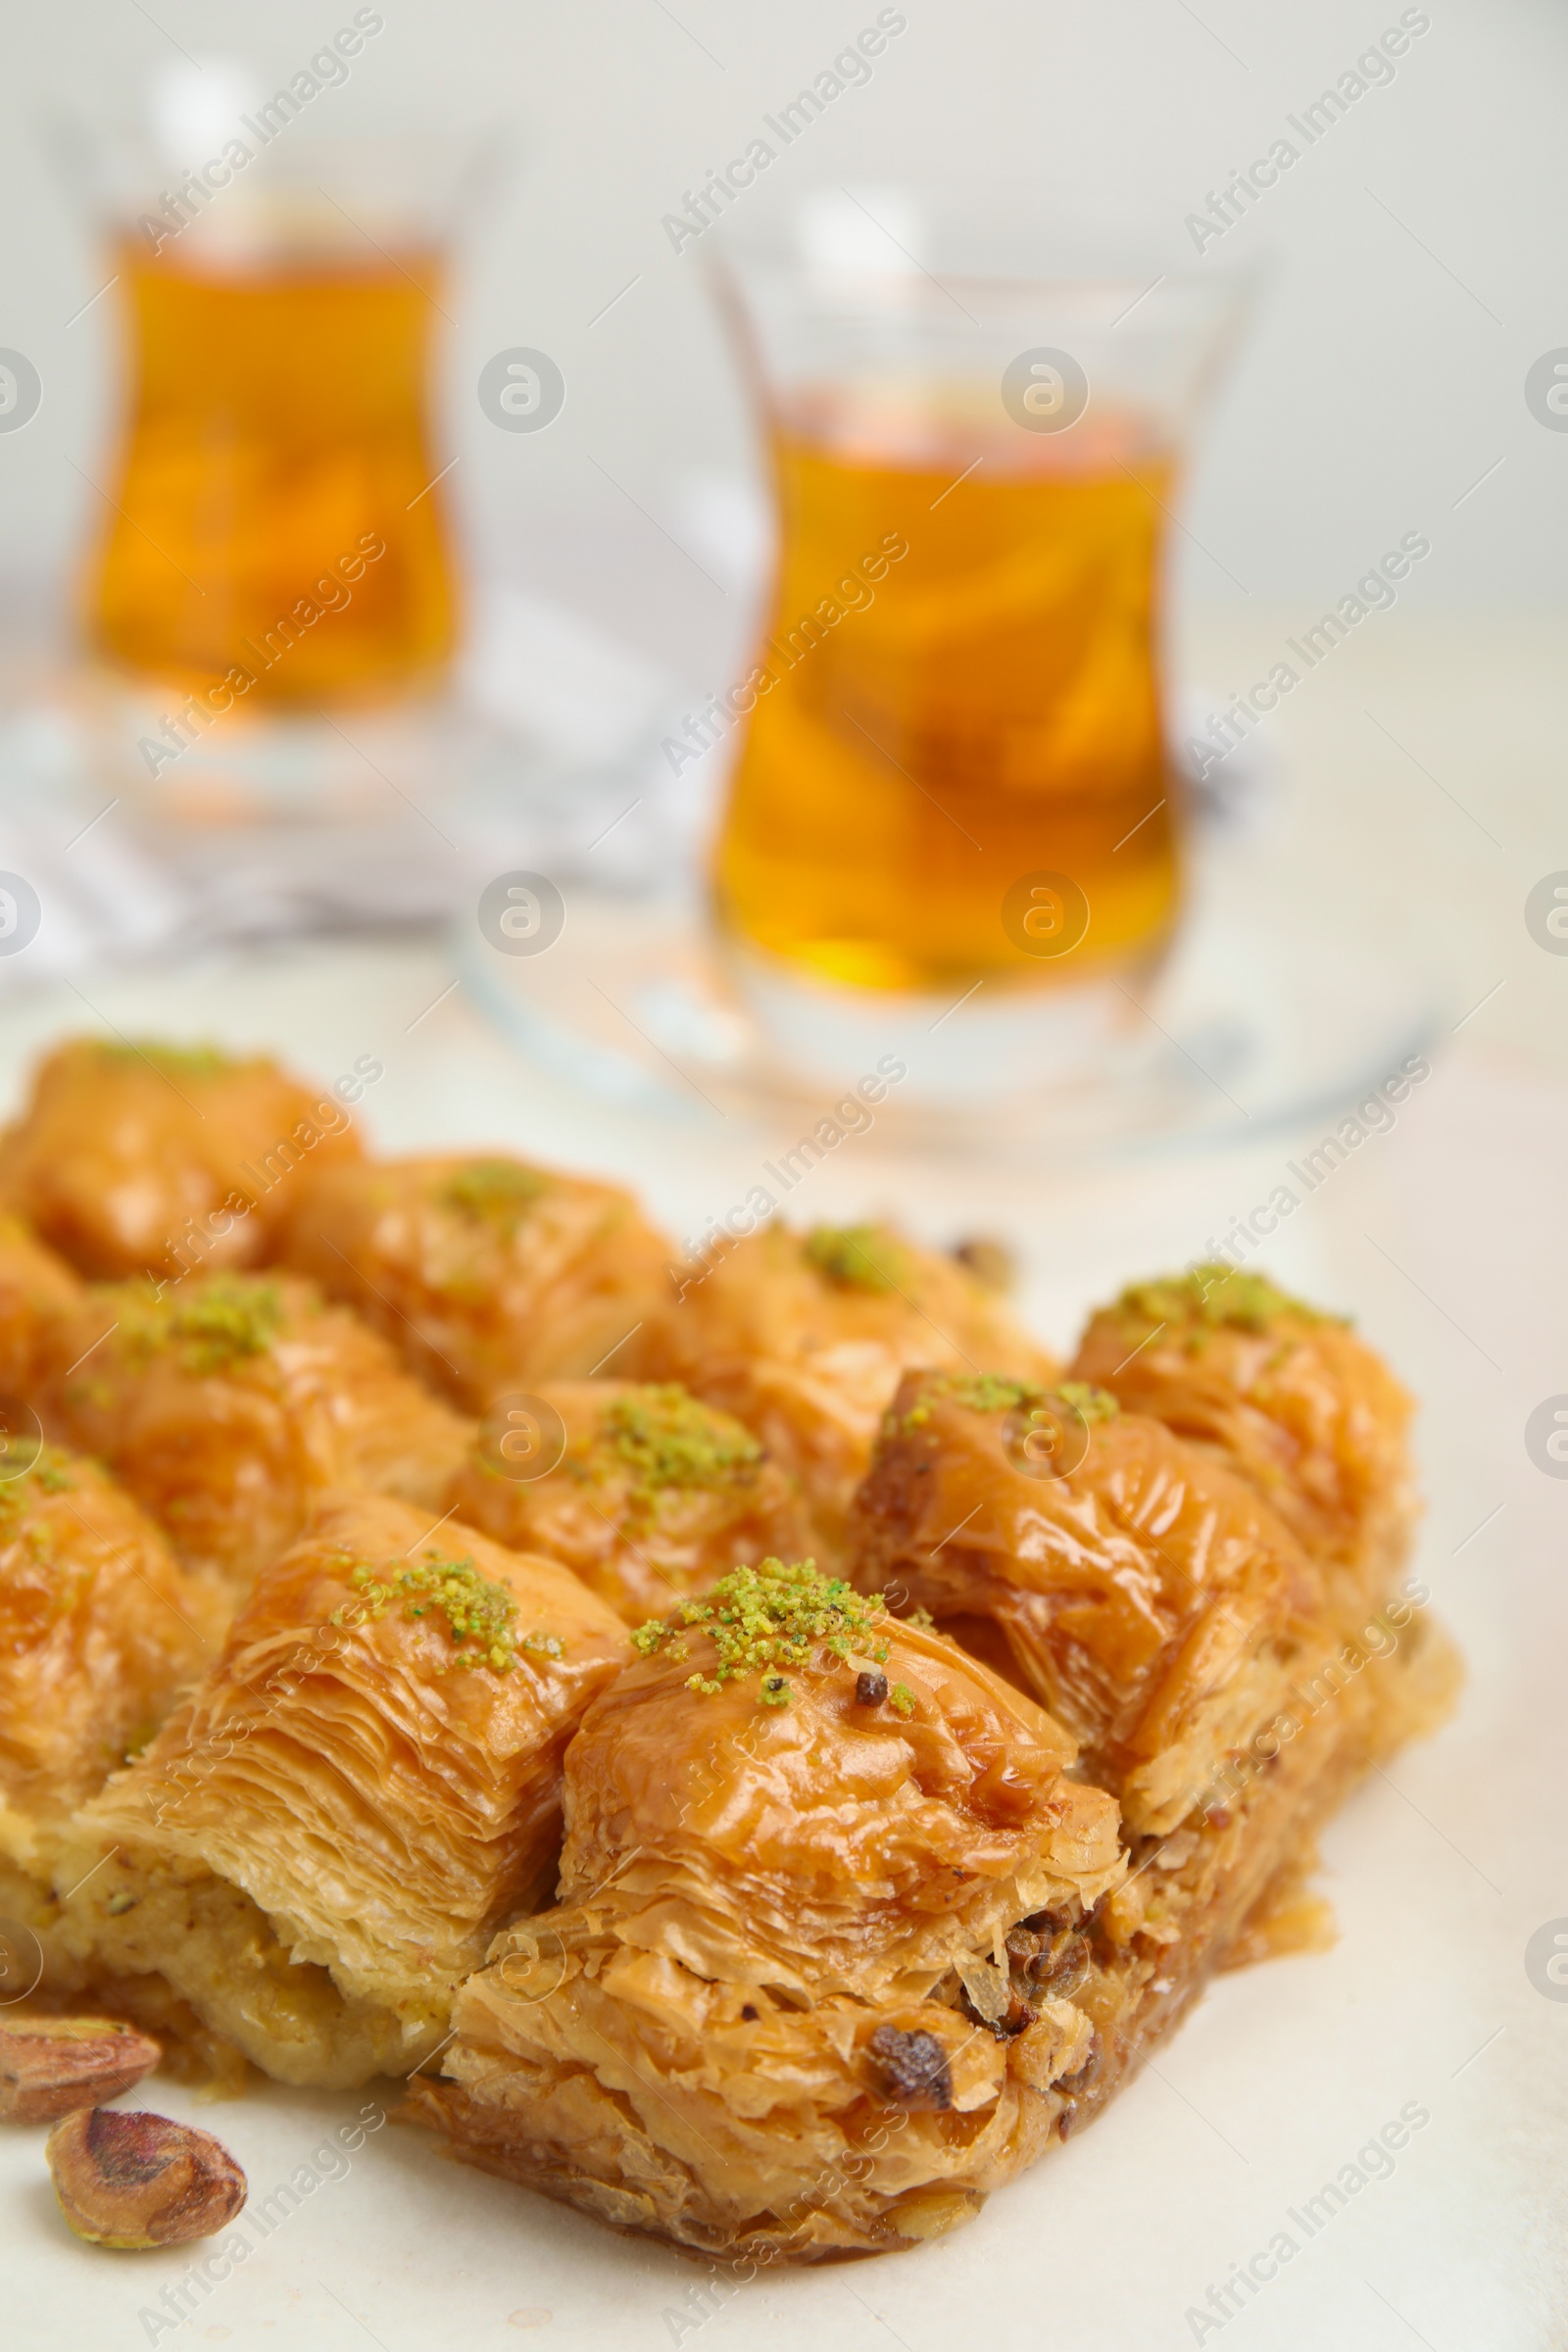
column 480, row 1614
column 901, row 1697
column 497, row 1192
column 990, row 1392
column 666, row 1439
column 761, row 1619
column 1095, row 1404
column 220, row 1320
column 172, row 1062
column 857, row 1257
column 1214, row 1294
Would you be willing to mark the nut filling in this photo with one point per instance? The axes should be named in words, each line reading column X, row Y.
column 913, row 2067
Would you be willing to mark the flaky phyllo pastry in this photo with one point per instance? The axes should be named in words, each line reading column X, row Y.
column 37, row 1289
column 1292, row 1400
column 136, row 1155
column 320, row 1843
column 800, row 1836
column 644, row 1492
column 804, row 1338
column 788, row 1924
column 1144, row 1592
column 100, row 1629
column 228, row 1402
column 487, row 1273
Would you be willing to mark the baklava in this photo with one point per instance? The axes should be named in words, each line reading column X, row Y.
column 1290, row 1399
column 771, row 2014
column 803, row 1337
column 644, row 1492
column 486, row 1273
column 136, row 1155
column 100, row 1631
column 321, row 1842
column 228, row 1402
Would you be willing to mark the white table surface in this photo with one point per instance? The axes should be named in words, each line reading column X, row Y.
column 1449, row 1240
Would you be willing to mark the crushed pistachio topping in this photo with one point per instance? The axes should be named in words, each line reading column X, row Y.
column 901, row 1697
column 480, row 1614
column 1095, row 1404
column 991, row 1392
column 497, row 1193
column 173, row 1061
column 765, row 1618
column 857, row 1257
column 1215, row 1294
column 226, row 1318
column 666, row 1439
column 53, row 1471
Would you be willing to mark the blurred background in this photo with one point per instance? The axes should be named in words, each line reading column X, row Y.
column 1410, row 276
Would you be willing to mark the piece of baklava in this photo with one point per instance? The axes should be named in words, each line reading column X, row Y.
column 772, row 2014
column 100, row 1630
column 803, row 1337
column 1290, row 1399
column 37, row 1289
column 487, row 1273
column 320, row 1843
column 141, row 1155
column 1152, row 1598
column 1145, row 1594
column 643, row 1492
column 228, row 1402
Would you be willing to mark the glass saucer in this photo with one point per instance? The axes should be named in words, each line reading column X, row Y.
column 1253, row 1022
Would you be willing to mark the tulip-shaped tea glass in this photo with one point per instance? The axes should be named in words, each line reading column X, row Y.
column 269, row 543
column 952, row 780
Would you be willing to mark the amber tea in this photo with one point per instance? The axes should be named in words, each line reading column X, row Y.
column 272, row 532
column 955, row 767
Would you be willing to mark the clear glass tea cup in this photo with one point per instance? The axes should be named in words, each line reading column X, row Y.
column 952, row 770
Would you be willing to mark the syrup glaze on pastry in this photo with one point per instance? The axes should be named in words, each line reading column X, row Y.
column 1145, row 1594
column 654, row 1496
column 144, row 1156
column 486, row 1273
column 1288, row 1398
column 100, row 1628
column 318, row 1846
column 228, row 1403
column 803, row 1337
column 799, row 1832
column 37, row 1289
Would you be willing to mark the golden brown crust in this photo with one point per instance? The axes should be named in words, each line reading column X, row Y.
column 653, row 1495
column 804, row 1336
column 747, row 2024
column 1292, row 1400
column 1178, row 1626
column 318, row 1846
column 231, row 1403
column 144, row 1156
column 100, row 1629
column 37, row 1289
column 1192, row 1900
column 486, row 1273
column 1147, row 1595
